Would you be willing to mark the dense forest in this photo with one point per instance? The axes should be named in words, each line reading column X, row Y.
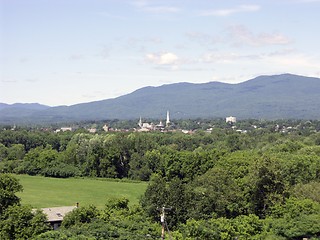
column 250, row 180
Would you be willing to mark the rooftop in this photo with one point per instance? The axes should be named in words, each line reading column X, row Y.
column 57, row 213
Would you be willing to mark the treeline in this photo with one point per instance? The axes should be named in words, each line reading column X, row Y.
column 262, row 184
column 138, row 155
column 114, row 155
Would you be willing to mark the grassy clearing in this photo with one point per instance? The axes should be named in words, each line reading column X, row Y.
column 42, row 192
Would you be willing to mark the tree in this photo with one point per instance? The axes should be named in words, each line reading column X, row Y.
column 309, row 190
column 155, row 196
column 213, row 193
column 268, row 186
column 20, row 222
column 80, row 215
column 16, row 152
column 3, row 152
column 9, row 186
column 295, row 219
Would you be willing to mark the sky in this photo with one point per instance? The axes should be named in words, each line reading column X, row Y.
column 64, row 52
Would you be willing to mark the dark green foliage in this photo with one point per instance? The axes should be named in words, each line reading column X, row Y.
column 9, row 186
column 116, row 221
column 80, row 215
column 117, row 204
column 295, row 219
column 61, row 235
column 241, row 227
column 3, row 152
column 268, row 186
column 15, row 152
column 60, row 170
column 155, row 196
column 309, row 190
column 220, row 185
column 19, row 222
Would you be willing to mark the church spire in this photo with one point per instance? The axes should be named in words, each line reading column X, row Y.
column 140, row 122
column 168, row 119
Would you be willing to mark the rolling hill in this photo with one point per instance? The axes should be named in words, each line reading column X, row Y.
column 267, row 97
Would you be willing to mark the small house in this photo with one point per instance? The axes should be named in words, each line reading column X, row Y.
column 55, row 215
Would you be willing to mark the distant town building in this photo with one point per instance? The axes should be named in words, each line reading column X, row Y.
column 145, row 127
column 140, row 122
column 92, row 130
column 149, row 126
column 106, row 128
column 160, row 125
column 231, row 119
column 64, row 129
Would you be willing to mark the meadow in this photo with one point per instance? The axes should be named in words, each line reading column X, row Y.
column 40, row 192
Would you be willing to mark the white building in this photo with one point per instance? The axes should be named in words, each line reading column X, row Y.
column 92, row 130
column 105, row 128
column 231, row 119
column 64, row 129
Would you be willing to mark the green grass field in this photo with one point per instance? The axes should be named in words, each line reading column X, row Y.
column 42, row 192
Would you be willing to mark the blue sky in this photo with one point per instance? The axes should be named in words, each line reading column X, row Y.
column 63, row 52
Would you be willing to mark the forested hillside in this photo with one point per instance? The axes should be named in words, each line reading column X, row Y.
column 262, row 183
column 284, row 96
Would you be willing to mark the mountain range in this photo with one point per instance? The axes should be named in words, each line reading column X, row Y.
column 284, row 96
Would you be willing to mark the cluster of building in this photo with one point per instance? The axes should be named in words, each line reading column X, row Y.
column 146, row 127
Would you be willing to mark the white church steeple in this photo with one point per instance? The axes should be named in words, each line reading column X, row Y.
column 168, row 119
column 140, row 122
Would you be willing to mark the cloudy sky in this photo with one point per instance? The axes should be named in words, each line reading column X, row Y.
column 63, row 52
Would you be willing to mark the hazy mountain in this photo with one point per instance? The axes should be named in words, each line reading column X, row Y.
column 268, row 97
column 30, row 106
column 18, row 112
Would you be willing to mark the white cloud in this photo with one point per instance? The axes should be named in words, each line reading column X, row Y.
column 146, row 6
column 111, row 16
column 283, row 52
column 161, row 9
column 294, row 61
column 32, row 80
column 8, row 81
column 162, row 58
column 23, row 60
column 241, row 35
column 140, row 44
column 229, row 11
column 238, row 35
column 225, row 58
column 287, row 59
column 203, row 38
column 308, row 1
column 104, row 52
column 76, row 57
column 272, row 39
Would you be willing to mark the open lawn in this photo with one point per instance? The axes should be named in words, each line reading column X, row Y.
column 42, row 192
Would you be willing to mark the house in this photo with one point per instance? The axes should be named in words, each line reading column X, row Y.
column 64, row 129
column 92, row 130
column 106, row 128
column 55, row 215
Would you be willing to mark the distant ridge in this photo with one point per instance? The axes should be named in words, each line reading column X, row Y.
column 284, row 96
column 30, row 106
